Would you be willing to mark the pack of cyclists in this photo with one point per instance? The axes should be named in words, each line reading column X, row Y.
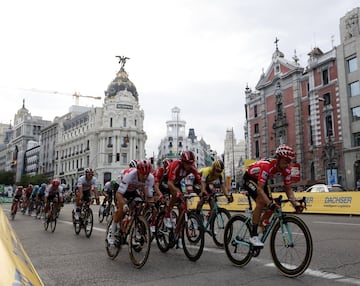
column 140, row 180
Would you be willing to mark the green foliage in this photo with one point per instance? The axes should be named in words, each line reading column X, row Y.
column 7, row 178
column 34, row 180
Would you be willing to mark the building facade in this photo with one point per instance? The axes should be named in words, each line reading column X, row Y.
column 177, row 140
column 348, row 55
column 104, row 139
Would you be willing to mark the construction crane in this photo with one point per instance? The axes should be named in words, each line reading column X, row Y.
column 76, row 95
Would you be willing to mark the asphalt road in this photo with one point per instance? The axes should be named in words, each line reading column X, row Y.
column 63, row 258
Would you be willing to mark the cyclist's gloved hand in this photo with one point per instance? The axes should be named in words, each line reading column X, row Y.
column 125, row 208
column 299, row 209
column 230, row 198
column 273, row 205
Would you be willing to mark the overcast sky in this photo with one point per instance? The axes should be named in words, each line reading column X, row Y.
column 198, row 55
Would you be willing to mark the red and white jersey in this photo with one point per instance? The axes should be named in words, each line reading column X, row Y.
column 264, row 170
column 130, row 183
column 177, row 172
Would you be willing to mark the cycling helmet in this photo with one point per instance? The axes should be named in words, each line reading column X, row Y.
column 133, row 163
column 55, row 183
column 113, row 182
column 43, row 185
column 166, row 163
column 218, row 165
column 20, row 188
column 36, row 187
column 144, row 167
column 89, row 171
column 187, row 157
column 285, row 152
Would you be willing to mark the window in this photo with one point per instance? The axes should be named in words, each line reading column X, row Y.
column 354, row 88
column 110, row 158
column 111, row 122
column 255, row 111
column 329, row 127
column 356, row 139
column 257, row 149
column 311, row 135
column 277, row 69
column 256, row 128
column 352, row 64
column 327, row 99
column 124, row 122
column 325, row 76
column 355, row 113
column 109, row 142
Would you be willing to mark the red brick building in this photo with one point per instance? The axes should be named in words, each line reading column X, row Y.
column 299, row 107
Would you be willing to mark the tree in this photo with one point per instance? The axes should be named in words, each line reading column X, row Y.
column 7, row 178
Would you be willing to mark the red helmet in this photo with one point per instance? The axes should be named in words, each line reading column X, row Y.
column 55, row 183
column 187, row 157
column 285, row 152
column 144, row 167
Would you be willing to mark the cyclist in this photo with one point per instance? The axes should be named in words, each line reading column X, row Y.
column 109, row 191
column 160, row 187
column 212, row 181
column 52, row 194
column 26, row 197
column 135, row 183
column 178, row 170
column 85, row 186
column 256, row 183
column 161, row 177
column 17, row 197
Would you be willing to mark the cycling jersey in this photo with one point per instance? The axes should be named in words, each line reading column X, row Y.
column 130, row 183
column 177, row 172
column 87, row 185
column 261, row 171
column 212, row 180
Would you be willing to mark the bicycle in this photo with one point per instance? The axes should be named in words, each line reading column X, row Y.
column 215, row 220
column 291, row 244
column 154, row 208
column 188, row 226
column 52, row 218
column 86, row 218
column 106, row 211
column 134, row 231
column 14, row 208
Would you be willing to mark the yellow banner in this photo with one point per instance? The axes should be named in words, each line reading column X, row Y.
column 325, row 203
column 15, row 265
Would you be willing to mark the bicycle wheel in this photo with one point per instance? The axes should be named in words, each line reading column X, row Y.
column 139, row 242
column 236, row 240
column 164, row 236
column 52, row 220
column 46, row 223
column 110, row 213
column 112, row 250
column 101, row 213
column 291, row 246
column 218, row 222
column 76, row 223
column 88, row 222
column 193, row 238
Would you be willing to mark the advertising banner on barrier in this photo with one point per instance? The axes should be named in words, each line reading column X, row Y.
column 16, row 267
column 324, row 203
